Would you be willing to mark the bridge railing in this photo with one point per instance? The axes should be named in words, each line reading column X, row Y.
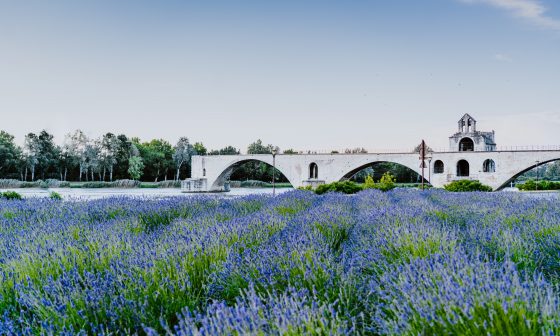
column 411, row 150
column 529, row 148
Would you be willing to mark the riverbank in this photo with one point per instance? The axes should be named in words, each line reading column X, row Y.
column 97, row 193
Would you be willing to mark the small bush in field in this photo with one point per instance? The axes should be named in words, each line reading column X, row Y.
column 467, row 185
column 55, row 196
column 347, row 187
column 11, row 195
column 386, row 183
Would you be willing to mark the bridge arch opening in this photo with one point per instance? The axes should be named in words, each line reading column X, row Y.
column 250, row 173
column 438, row 167
column 541, row 170
column 313, row 171
column 463, row 168
column 489, row 166
column 466, row 145
column 376, row 169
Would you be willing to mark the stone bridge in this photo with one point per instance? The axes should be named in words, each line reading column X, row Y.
column 494, row 168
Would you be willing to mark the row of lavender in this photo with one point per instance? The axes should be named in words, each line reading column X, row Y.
column 401, row 262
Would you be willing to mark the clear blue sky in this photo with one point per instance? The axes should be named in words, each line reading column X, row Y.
column 301, row 74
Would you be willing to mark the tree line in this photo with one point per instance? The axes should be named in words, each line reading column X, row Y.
column 107, row 158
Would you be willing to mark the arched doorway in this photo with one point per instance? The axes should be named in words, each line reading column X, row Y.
column 313, row 171
column 489, row 166
column 438, row 167
column 462, row 168
column 466, row 145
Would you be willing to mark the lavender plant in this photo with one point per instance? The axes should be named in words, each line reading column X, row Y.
column 396, row 262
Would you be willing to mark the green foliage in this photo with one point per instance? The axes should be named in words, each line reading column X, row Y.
column 307, row 187
column 229, row 150
column 347, row 187
column 11, row 195
column 157, row 156
column 257, row 147
column 135, row 167
column 540, row 185
column 199, row 148
column 55, row 196
column 9, row 183
column 290, row 152
column 466, row 185
column 387, row 182
column 9, row 152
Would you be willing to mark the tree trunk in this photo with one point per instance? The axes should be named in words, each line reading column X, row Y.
column 104, row 169
column 32, row 173
column 111, row 173
column 65, row 173
column 25, row 178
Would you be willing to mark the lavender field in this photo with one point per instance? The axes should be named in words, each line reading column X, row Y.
column 401, row 262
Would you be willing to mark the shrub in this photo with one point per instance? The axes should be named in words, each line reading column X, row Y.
column 11, row 195
column 126, row 183
column 169, row 184
column 10, row 183
column 347, row 187
column 98, row 184
column 34, row 184
column 466, row 185
column 540, row 185
column 52, row 183
column 64, row 184
column 253, row 184
column 55, row 196
column 387, row 182
column 307, row 187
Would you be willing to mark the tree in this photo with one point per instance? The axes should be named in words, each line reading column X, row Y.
column 9, row 152
column 157, row 156
column 356, row 150
column 229, row 150
column 32, row 151
column 76, row 144
column 47, row 153
column 123, row 154
column 65, row 161
column 93, row 162
column 109, row 148
column 182, row 155
column 199, row 148
column 257, row 147
column 290, row 151
column 135, row 167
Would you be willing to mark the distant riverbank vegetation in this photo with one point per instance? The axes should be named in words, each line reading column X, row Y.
column 532, row 185
column 111, row 159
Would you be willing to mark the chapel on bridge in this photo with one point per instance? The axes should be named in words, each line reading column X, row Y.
column 468, row 139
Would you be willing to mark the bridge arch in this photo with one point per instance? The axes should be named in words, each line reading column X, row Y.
column 507, row 182
column 360, row 167
column 226, row 172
